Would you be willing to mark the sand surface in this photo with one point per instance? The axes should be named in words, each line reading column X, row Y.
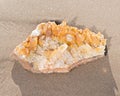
column 99, row 78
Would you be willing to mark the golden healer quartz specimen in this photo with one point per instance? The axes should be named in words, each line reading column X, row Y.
column 59, row 48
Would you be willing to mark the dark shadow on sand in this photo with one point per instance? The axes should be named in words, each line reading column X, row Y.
column 92, row 79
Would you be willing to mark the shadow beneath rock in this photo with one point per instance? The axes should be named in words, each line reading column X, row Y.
column 92, row 79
